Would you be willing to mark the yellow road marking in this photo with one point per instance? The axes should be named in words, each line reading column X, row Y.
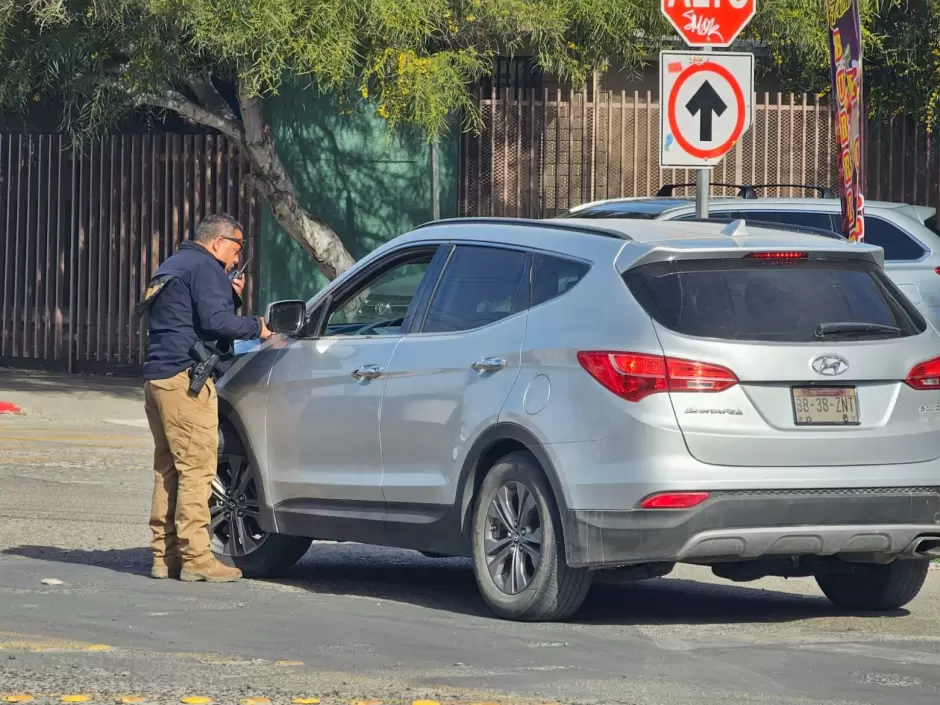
column 98, row 647
column 425, row 702
column 290, row 663
column 196, row 700
column 18, row 698
column 73, row 699
column 306, row 701
column 133, row 699
column 256, row 701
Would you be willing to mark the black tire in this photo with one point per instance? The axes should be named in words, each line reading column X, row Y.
column 875, row 587
column 555, row 591
column 271, row 554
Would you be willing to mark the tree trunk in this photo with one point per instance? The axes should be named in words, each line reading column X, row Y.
column 274, row 183
column 268, row 174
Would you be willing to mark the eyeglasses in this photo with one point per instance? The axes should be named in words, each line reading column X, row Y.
column 240, row 242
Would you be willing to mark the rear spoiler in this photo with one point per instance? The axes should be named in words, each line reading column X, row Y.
column 919, row 213
column 629, row 258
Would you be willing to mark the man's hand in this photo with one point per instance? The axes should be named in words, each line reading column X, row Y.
column 265, row 331
column 238, row 285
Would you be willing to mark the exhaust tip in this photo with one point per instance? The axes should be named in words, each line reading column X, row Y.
column 927, row 546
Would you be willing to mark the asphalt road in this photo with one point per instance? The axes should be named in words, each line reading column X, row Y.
column 354, row 623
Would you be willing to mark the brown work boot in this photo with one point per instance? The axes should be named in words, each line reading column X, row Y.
column 166, row 568
column 213, row 572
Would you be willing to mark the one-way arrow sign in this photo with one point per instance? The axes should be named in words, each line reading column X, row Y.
column 705, row 105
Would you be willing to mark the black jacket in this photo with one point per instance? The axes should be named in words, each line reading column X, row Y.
column 199, row 304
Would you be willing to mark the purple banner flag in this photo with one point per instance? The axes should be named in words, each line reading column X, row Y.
column 845, row 51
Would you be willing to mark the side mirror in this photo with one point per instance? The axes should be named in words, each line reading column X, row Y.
column 286, row 316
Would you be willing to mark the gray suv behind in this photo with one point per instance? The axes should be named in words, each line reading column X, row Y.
column 561, row 398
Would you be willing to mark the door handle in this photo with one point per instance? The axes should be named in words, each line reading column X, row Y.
column 489, row 364
column 368, row 372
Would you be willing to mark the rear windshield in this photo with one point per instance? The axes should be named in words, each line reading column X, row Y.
column 760, row 300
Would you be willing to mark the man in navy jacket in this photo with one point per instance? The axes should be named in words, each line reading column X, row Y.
column 198, row 303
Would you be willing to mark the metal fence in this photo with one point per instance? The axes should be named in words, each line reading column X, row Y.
column 83, row 230
column 544, row 152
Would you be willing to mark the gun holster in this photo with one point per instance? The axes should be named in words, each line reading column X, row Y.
column 206, row 360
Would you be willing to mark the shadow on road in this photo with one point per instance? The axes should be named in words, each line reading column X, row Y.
column 37, row 382
column 135, row 561
column 448, row 585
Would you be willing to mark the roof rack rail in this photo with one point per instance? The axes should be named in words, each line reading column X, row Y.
column 539, row 223
column 750, row 190
column 824, row 191
column 744, row 191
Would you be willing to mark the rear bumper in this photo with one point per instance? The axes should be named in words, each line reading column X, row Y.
column 747, row 525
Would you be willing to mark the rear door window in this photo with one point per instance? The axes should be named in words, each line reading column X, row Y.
column 897, row 244
column 480, row 285
column 766, row 300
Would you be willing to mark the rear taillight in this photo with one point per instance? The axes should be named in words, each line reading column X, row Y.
column 778, row 255
column 674, row 500
column 926, row 375
column 634, row 376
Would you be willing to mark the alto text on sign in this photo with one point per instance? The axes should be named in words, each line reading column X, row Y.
column 706, row 104
column 712, row 23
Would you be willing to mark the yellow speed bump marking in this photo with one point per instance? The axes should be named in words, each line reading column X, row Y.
column 73, row 699
column 196, row 700
column 256, row 701
column 17, row 698
column 306, row 701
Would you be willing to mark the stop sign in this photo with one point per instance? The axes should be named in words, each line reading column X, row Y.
column 712, row 23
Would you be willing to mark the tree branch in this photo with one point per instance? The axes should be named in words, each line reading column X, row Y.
column 178, row 103
column 209, row 96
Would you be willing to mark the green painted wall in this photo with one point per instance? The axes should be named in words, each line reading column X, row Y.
column 366, row 186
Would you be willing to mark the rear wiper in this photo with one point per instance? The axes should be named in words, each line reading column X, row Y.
column 824, row 330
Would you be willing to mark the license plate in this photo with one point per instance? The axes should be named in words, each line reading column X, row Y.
column 825, row 406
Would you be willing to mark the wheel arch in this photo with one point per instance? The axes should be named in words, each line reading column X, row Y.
column 231, row 423
column 492, row 444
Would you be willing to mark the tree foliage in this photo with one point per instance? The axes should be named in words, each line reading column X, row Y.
column 412, row 61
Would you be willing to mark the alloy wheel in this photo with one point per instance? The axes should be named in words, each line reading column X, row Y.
column 512, row 543
column 234, row 509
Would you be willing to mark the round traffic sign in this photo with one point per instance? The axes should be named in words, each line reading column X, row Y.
column 682, row 140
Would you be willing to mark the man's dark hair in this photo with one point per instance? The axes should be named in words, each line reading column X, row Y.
column 216, row 225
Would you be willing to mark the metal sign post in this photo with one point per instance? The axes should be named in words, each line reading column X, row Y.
column 703, row 184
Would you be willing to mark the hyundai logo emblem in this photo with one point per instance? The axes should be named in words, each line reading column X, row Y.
column 830, row 365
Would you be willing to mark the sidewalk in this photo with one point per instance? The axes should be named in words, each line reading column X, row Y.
column 73, row 398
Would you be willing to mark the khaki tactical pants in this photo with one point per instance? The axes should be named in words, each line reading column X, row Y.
column 185, row 459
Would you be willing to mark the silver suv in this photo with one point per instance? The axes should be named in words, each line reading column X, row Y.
column 908, row 234
column 561, row 398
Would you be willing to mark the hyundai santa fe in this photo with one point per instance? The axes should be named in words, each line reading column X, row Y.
column 555, row 399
